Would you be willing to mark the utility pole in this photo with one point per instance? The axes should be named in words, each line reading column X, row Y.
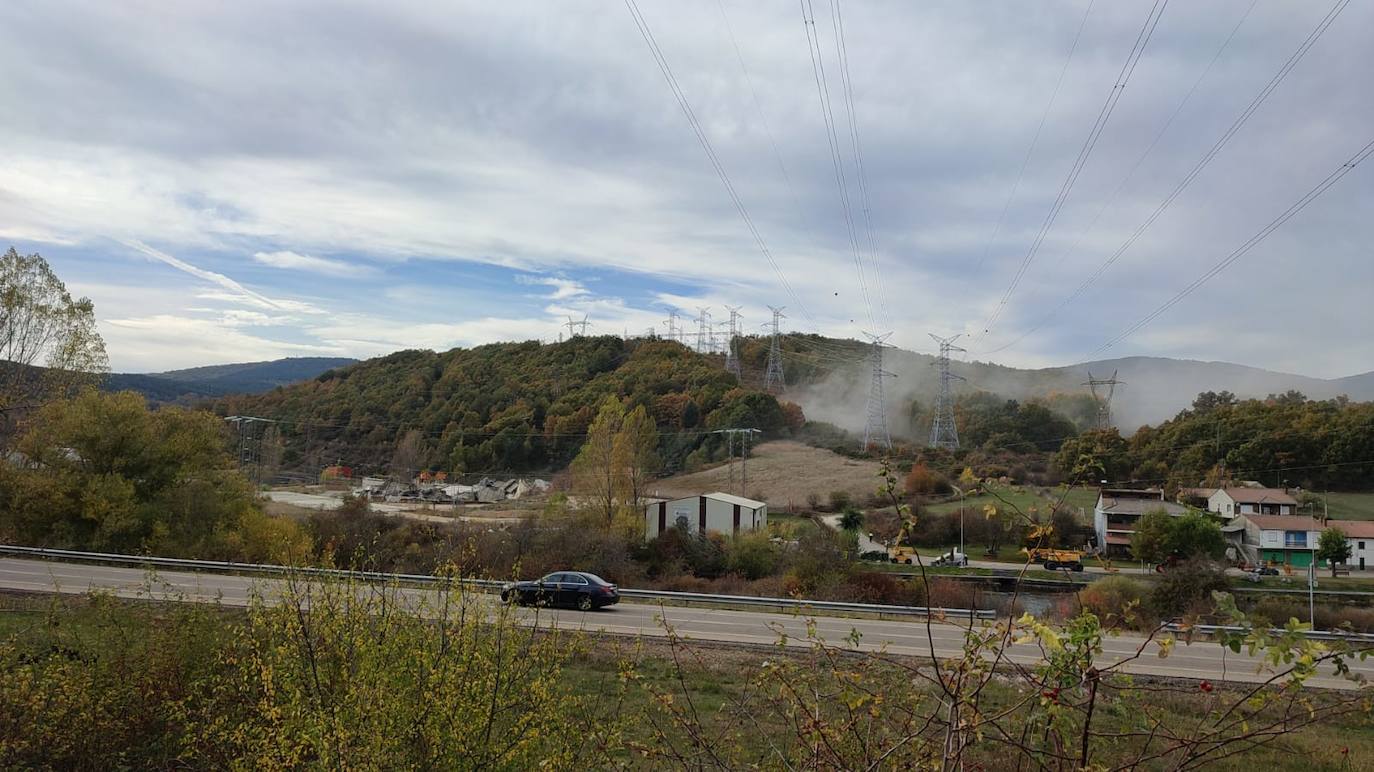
column 731, row 358
column 773, row 381
column 1104, row 399
column 744, row 454
column 875, row 427
column 943, row 432
column 249, row 445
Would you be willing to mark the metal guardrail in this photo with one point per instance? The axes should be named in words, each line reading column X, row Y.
column 1321, row 635
column 231, row 567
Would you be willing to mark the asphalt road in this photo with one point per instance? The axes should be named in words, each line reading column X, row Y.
column 1199, row 660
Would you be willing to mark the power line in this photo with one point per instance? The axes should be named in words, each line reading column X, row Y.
column 813, row 42
column 1035, row 140
column 1196, row 170
column 1250, row 243
column 837, row 18
column 699, row 131
column 1103, row 116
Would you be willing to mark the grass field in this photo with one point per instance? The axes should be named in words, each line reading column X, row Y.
column 1350, row 506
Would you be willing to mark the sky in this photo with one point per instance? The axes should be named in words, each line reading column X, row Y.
column 252, row 180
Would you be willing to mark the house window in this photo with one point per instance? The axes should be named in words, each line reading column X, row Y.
column 1361, row 545
column 1295, row 539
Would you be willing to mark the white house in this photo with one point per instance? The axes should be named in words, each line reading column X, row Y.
column 720, row 512
column 1360, row 533
column 1229, row 502
column 1281, row 539
column 1118, row 511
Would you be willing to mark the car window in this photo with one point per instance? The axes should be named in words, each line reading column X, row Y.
column 594, row 579
column 552, row 579
column 574, row 579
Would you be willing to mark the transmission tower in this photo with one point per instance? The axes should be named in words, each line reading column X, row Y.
column 943, row 432
column 773, row 381
column 576, row 328
column 674, row 332
column 875, row 428
column 731, row 358
column 704, row 334
column 1104, row 402
column 730, row 435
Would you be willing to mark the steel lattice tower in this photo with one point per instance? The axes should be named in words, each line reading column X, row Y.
column 943, row 432
column 703, row 330
column 875, row 427
column 673, row 332
column 732, row 359
column 773, row 381
column 1104, row 404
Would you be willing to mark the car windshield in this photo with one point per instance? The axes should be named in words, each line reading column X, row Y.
column 594, row 579
column 552, row 579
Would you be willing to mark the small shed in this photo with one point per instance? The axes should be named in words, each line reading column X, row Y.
column 720, row 512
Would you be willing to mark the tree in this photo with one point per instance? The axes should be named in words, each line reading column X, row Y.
column 595, row 475
column 106, row 473
column 1160, row 536
column 636, row 453
column 1333, row 547
column 270, row 454
column 852, row 519
column 49, row 346
column 408, row 457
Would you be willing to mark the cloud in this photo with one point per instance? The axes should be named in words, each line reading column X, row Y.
column 294, row 261
column 167, row 341
column 563, row 288
column 405, row 135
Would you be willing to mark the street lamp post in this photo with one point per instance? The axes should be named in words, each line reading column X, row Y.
column 1311, row 584
column 961, row 519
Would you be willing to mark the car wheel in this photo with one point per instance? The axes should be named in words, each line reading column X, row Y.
column 1077, row 566
column 1051, row 565
column 584, row 602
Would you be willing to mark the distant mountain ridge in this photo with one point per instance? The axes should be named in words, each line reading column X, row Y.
column 197, row 383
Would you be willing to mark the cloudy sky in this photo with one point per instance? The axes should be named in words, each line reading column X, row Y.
column 248, row 180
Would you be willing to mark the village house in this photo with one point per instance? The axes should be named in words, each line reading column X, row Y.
column 1288, row 540
column 1229, row 502
column 1118, row 512
column 1361, row 536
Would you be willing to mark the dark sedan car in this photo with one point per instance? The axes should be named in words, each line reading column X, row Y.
column 577, row 589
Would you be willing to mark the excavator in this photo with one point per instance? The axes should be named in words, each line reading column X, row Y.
column 901, row 550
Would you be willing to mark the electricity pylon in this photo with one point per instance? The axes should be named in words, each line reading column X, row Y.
column 875, row 427
column 943, row 432
column 731, row 358
column 1104, row 403
column 773, row 381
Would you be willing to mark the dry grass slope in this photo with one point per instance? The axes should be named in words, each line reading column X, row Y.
column 784, row 473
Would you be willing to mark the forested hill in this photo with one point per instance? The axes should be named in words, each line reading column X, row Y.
column 504, row 407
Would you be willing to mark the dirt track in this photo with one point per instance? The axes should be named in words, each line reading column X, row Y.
column 781, row 473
